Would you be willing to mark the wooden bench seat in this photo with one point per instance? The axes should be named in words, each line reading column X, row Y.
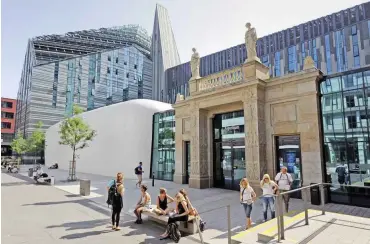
column 189, row 227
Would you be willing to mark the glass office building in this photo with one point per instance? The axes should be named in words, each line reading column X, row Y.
column 163, row 145
column 337, row 42
column 90, row 68
column 345, row 110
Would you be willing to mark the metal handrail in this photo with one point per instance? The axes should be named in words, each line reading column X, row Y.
column 279, row 204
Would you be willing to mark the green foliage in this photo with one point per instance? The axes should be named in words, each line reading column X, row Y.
column 36, row 142
column 75, row 132
column 19, row 144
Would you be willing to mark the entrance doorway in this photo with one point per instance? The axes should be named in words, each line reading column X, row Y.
column 187, row 161
column 230, row 164
column 228, row 150
column 288, row 154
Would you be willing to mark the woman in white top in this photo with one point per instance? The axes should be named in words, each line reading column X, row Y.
column 269, row 188
column 247, row 197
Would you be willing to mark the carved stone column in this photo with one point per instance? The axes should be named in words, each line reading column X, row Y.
column 255, row 137
column 199, row 177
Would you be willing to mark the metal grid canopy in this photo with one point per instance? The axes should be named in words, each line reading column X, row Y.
column 50, row 48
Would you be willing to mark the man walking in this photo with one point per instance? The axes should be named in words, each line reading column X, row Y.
column 139, row 172
column 284, row 181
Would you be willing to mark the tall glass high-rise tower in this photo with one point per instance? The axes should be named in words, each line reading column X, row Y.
column 164, row 51
column 90, row 68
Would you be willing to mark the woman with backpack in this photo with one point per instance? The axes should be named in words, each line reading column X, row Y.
column 269, row 189
column 247, row 197
column 182, row 214
column 115, row 194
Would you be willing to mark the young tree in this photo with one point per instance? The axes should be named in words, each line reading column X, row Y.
column 76, row 133
column 36, row 142
column 19, row 145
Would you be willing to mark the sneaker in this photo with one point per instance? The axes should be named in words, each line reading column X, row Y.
column 117, row 228
column 113, row 227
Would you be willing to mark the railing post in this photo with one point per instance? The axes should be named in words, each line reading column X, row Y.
column 306, row 194
column 277, row 210
column 281, row 210
column 197, row 218
column 322, row 198
column 228, row 225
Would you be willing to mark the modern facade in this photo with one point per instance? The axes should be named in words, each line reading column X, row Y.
column 8, row 109
column 123, row 140
column 90, row 68
column 337, row 42
column 345, row 111
column 163, row 52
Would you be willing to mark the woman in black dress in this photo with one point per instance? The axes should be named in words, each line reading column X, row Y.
column 182, row 212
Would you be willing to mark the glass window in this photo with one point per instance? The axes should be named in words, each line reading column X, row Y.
column 346, row 135
column 328, row 54
column 277, row 64
column 109, row 58
column 6, row 125
column 163, row 146
column 292, row 63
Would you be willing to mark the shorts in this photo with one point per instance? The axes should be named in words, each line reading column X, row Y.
column 247, row 209
column 140, row 177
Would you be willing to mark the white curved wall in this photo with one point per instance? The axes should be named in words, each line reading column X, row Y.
column 124, row 138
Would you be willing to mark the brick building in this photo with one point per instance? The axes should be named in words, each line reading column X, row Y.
column 8, row 108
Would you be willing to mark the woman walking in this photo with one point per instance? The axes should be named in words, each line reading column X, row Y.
column 269, row 189
column 247, row 197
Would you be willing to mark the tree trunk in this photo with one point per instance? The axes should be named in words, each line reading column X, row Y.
column 74, row 163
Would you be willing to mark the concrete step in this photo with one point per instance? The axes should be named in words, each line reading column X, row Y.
column 267, row 232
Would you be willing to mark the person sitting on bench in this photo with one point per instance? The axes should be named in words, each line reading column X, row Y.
column 182, row 213
column 162, row 202
column 143, row 204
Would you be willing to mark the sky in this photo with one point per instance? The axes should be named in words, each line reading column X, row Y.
column 208, row 25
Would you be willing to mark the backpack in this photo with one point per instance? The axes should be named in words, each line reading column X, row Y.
column 114, row 198
column 137, row 170
column 174, row 232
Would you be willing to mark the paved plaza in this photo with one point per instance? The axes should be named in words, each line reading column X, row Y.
column 58, row 214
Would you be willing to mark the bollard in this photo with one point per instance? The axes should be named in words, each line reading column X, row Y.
column 153, row 179
column 277, row 211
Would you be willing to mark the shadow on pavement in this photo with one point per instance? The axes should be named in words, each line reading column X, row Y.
column 84, row 202
column 85, row 234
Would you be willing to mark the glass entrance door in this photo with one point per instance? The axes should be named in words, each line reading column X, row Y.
column 229, row 164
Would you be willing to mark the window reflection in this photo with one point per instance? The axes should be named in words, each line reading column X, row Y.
column 346, row 119
column 163, row 155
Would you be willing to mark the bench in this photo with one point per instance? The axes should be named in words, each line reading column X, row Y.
column 189, row 227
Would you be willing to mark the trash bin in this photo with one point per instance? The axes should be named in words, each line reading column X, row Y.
column 315, row 195
column 30, row 172
column 84, row 187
